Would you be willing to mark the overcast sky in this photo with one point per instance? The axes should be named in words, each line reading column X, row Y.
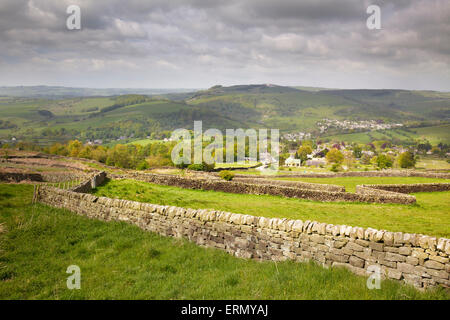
column 200, row 43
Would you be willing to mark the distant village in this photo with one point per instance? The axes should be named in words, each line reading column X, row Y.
column 369, row 125
column 317, row 157
column 344, row 125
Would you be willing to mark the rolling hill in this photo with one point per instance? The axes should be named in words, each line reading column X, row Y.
column 290, row 109
column 294, row 109
column 58, row 92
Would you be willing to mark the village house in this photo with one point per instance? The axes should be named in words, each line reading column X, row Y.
column 292, row 162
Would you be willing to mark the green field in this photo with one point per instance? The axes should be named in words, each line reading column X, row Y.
column 434, row 134
column 236, row 165
column 432, row 163
column 430, row 215
column 350, row 183
column 144, row 142
column 120, row 261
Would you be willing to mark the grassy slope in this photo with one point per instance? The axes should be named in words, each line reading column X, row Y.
column 434, row 134
column 432, row 163
column 120, row 261
column 242, row 106
column 75, row 114
column 430, row 216
column 288, row 109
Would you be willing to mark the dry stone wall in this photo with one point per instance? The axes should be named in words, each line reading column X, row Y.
column 18, row 176
column 41, row 177
column 422, row 261
column 294, row 184
column 409, row 188
column 293, row 191
column 63, row 176
column 380, row 173
column 87, row 185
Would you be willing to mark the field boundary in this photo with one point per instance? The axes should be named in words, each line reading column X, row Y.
column 13, row 176
column 319, row 192
column 295, row 184
column 381, row 173
column 416, row 259
column 405, row 188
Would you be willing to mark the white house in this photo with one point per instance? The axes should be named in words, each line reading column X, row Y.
column 292, row 162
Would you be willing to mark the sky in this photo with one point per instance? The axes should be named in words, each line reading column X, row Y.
column 201, row 43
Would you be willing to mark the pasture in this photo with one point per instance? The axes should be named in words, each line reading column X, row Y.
column 121, row 261
column 430, row 215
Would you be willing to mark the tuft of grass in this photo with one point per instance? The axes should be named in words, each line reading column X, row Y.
column 121, row 261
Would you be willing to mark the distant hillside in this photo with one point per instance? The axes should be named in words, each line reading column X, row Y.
column 137, row 116
column 107, row 118
column 53, row 92
column 314, row 89
column 434, row 134
column 290, row 109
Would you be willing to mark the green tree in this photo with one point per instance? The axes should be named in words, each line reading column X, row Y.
column 383, row 161
column 308, row 143
column 143, row 165
column 335, row 156
column 424, row 146
column 303, row 152
column 357, row 152
column 406, row 160
column 435, row 150
column 74, row 148
column 365, row 159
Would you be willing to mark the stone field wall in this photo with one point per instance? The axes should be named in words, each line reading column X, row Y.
column 18, row 176
column 87, row 185
column 42, row 177
column 319, row 193
column 294, row 184
column 380, row 173
column 409, row 188
column 422, row 261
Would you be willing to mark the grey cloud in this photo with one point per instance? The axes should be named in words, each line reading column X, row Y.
column 198, row 43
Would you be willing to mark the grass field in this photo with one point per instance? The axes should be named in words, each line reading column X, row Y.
column 120, row 261
column 144, row 142
column 236, row 165
column 430, row 215
column 432, row 163
column 434, row 134
column 350, row 183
